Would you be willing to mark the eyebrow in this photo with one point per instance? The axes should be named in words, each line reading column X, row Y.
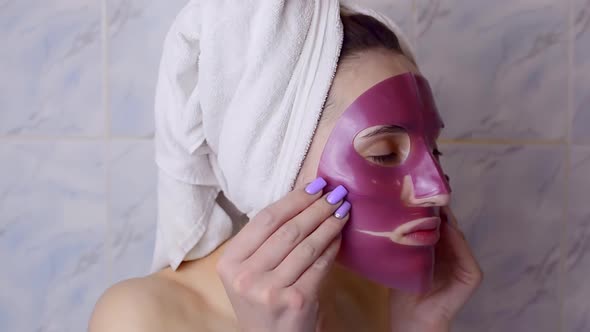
column 385, row 130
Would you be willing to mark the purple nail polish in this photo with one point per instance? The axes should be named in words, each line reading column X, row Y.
column 337, row 195
column 316, row 186
column 342, row 210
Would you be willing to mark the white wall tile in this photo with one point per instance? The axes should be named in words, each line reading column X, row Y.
column 576, row 305
column 51, row 68
column 133, row 208
column 52, row 235
column 137, row 29
column 581, row 71
column 499, row 68
column 509, row 201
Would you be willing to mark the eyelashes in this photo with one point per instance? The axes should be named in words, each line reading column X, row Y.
column 394, row 157
column 385, row 159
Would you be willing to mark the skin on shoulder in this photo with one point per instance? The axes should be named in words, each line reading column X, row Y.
column 167, row 301
column 146, row 304
column 125, row 307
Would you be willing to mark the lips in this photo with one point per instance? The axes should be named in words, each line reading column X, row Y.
column 418, row 232
column 425, row 224
column 422, row 238
column 421, row 232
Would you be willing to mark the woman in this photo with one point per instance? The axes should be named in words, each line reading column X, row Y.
column 280, row 273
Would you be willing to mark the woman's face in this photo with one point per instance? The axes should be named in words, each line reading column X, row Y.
column 383, row 149
column 385, row 145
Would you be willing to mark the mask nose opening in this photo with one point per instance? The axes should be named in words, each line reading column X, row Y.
column 429, row 180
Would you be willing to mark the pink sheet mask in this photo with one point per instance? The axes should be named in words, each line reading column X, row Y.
column 375, row 191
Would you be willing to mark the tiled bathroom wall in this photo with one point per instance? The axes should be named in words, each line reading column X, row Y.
column 77, row 187
column 77, row 190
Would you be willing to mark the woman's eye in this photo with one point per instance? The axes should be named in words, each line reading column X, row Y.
column 385, row 159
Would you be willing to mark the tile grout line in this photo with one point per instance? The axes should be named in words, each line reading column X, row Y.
column 500, row 142
column 567, row 174
column 105, row 70
column 107, row 139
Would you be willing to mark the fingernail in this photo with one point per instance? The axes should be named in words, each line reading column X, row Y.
column 337, row 195
column 316, row 186
column 342, row 210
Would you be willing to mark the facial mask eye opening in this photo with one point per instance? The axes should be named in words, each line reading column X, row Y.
column 383, row 145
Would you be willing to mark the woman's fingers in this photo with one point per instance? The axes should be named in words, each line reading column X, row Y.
column 299, row 227
column 306, row 253
column 267, row 221
column 310, row 280
column 291, row 234
column 301, row 233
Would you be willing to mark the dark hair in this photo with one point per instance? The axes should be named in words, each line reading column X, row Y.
column 363, row 33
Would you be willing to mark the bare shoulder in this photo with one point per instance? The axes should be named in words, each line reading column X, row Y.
column 146, row 304
column 125, row 307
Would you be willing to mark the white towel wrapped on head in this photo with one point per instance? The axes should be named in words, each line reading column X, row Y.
column 241, row 88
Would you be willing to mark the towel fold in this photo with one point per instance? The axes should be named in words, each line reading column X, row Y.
column 241, row 88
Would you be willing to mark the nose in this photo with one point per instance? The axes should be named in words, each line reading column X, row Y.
column 427, row 185
column 433, row 198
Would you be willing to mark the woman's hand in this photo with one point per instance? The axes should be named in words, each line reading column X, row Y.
column 273, row 268
column 457, row 275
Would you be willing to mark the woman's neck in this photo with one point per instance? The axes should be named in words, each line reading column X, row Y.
column 201, row 277
column 342, row 292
